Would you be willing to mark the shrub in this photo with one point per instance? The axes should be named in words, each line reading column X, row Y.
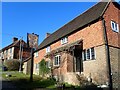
column 43, row 69
column 12, row 65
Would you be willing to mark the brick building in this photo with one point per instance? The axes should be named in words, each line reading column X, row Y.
column 88, row 45
column 12, row 51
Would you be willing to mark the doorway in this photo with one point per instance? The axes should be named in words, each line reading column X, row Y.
column 78, row 59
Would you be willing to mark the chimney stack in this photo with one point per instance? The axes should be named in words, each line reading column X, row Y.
column 47, row 35
column 14, row 39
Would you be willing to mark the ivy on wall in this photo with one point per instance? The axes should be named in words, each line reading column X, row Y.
column 43, row 70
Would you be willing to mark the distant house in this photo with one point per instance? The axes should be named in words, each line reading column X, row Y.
column 13, row 51
column 88, row 45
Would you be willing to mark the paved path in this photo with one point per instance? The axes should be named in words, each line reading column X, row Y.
column 6, row 84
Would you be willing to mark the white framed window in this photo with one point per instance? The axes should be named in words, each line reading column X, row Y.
column 92, row 53
column 10, row 50
column 48, row 49
column 57, row 60
column 114, row 26
column 88, row 54
column 37, row 65
column 48, row 65
column 0, row 55
column 36, row 54
column 6, row 52
column 64, row 40
column 84, row 55
column 10, row 57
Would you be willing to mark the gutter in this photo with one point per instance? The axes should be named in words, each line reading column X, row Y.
column 108, row 55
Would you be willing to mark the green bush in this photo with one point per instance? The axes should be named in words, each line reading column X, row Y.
column 43, row 70
column 12, row 65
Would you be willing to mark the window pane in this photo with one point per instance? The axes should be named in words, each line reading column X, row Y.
column 64, row 40
column 59, row 60
column 84, row 55
column 48, row 49
column 88, row 54
column 113, row 25
column 55, row 60
column 92, row 53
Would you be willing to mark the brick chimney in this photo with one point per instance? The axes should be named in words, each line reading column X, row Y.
column 14, row 39
column 47, row 35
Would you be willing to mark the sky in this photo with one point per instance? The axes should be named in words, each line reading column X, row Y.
column 20, row 18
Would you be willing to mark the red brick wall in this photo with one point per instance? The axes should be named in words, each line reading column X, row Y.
column 112, row 13
column 92, row 36
column 41, row 55
column 25, row 54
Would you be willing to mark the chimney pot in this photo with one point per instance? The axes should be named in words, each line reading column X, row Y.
column 14, row 39
column 47, row 35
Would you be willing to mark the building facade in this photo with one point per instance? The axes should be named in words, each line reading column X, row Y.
column 17, row 50
column 87, row 46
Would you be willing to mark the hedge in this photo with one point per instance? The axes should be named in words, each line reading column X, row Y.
column 12, row 65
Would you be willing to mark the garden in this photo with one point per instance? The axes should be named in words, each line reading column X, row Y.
column 22, row 81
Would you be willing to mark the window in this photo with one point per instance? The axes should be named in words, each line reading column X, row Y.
column 10, row 50
column 6, row 52
column 0, row 55
column 37, row 65
column 36, row 54
column 48, row 64
column 48, row 49
column 84, row 55
column 10, row 57
column 88, row 54
column 114, row 26
column 64, row 40
column 92, row 53
column 57, row 60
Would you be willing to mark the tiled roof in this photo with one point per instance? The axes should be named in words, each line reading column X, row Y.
column 86, row 18
column 14, row 44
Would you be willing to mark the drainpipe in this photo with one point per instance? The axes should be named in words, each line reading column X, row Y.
column 73, row 58
column 108, row 55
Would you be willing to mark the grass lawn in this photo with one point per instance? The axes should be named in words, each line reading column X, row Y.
column 22, row 81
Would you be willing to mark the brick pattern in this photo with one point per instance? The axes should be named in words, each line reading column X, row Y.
column 112, row 13
column 92, row 36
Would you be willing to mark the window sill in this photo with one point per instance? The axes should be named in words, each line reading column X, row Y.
column 36, row 56
column 56, row 65
column 89, row 60
column 63, row 43
column 115, row 31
